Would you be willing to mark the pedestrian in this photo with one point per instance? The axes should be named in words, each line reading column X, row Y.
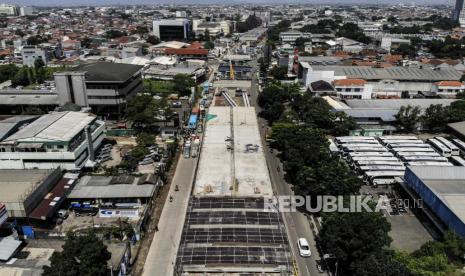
column 156, row 228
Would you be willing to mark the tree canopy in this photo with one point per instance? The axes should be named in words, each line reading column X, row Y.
column 353, row 237
column 82, row 255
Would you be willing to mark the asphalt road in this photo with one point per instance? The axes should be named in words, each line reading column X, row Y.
column 297, row 224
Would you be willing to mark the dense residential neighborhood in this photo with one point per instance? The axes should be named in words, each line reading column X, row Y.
column 232, row 139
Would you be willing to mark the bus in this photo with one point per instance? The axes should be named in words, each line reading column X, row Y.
column 424, row 158
column 395, row 142
column 458, row 160
column 363, row 149
column 354, row 146
column 381, row 168
column 398, row 137
column 355, row 160
column 369, row 154
column 192, row 121
column 371, row 177
column 341, row 138
column 430, row 163
column 460, row 144
column 418, row 145
column 417, row 153
column 443, row 149
column 454, row 150
column 361, row 142
column 351, row 155
column 428, row 149
column 379, row 163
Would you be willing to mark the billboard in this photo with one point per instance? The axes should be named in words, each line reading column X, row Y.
column 118, row 213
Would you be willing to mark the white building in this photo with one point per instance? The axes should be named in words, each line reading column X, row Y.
column 353, row 89
column 389, row 43
column 29, row 55
column 25, row 10
column 172, row 29
column 10, row 10
column 291, row 37
column 62, row 139
column 387, row 82
column 448, row 88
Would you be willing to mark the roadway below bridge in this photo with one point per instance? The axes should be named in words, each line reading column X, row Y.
column 298, row 225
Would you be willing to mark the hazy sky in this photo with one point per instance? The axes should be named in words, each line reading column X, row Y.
column 126, row 2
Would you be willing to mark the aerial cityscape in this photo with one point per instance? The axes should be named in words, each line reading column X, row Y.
column 239, row 138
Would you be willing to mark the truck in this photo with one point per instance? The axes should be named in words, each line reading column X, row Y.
column 195, row 148
column 187, row 149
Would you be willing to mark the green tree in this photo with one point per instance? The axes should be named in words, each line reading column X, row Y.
column 209, row 45
column 327, row 178
column 8, row 72
column 353, row 237
column 145, row 139
column 82, row 255
column 352, row 31
column 435, row 117
column 144, row 111
column 279, row 72
column 382, row 265
column 456, row 111
column 153, row 40
column 342, row 124
column 183, row 84
column 408, row 118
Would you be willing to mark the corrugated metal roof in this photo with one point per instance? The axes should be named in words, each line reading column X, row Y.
column 60, row 126
column 397, row 103
column 100, row 187
column 8, row 247
column 393, row 73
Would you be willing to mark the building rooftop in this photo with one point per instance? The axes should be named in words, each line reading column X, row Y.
column 393, row 73
column 8, row 126
column 448, row 183
column 108, row 71
column 60, row 126
column 396, row 103
column 17, row 185
column 112, row 187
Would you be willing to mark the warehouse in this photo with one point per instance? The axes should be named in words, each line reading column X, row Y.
column 442, row 190
column 60, row 139
column 23, row 190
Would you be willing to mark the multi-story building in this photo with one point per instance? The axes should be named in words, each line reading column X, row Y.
column 62, row 139
column 29, row 55
column 396, row 82
column 448, row 88
column 353, row 89
column 291, row 37
column 10, row 10
column 26, row 10
column 457, row 10
column 172, row 29
column 103, row 86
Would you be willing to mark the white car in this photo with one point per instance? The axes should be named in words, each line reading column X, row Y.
column 304, row 247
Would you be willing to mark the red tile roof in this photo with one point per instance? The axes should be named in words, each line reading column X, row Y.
column 349, row 82
column 186, row 51
column 449, row 83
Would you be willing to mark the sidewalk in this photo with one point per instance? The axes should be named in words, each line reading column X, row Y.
column 161, row 258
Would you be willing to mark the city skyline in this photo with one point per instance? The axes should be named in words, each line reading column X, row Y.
column 233, row 2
